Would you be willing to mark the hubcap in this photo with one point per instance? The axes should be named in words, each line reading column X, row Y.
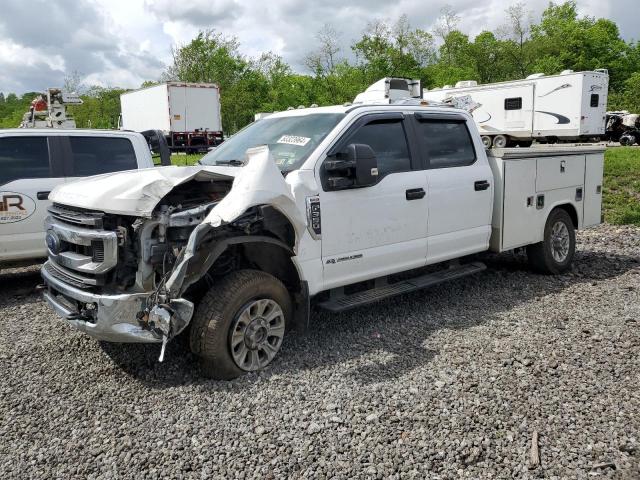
column 256, row 334
column 560, row 241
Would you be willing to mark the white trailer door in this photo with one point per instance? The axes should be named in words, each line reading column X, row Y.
column 202, row 109
column 178, row 108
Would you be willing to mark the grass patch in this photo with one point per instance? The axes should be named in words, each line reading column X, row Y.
column 621, row 200
column 184, row 160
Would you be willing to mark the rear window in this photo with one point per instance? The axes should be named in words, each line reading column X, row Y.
column 96, row 155
column 23, row 157
column 446, row 143
column 595, row 99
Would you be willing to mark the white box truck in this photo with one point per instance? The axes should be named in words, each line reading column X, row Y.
column 333, row 206
column 187, row 113
column 570, row 106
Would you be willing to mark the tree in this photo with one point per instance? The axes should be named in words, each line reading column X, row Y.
column 446, row 24
column 516, row 31
column 1, row 97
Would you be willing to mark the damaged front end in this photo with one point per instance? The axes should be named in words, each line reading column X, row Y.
column 129, row 275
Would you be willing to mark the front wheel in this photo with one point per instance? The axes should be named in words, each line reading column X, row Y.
column 555, row 253
column 239, row 325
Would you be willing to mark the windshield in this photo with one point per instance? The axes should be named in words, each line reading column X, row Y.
column 290, row 139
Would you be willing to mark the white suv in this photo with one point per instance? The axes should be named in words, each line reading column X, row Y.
column 34, row 161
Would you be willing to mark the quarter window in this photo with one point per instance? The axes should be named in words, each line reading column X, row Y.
column 513, row 103
column 23, row 157
column 446, row 143
column 388, row 141
column 595, row 99
column 96, row 155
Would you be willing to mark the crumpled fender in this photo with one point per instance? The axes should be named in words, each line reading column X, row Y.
column 259, row 182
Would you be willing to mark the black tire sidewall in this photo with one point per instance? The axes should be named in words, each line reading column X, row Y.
column 553, row 265
column 212, row 326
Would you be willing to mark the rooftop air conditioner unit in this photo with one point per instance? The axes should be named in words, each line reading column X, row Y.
column 466, row 83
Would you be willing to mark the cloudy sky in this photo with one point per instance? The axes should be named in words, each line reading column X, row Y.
column 124, row 42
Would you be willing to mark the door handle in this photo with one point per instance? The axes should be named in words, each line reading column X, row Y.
column 415, row 193
column 481, row 185
column 43, row 195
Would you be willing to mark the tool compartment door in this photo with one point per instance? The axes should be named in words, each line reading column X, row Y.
column 519, row 218
column 564, row 171
column 594, row 164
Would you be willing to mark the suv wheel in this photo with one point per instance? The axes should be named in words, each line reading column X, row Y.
column 239, row 325
column 555, row 253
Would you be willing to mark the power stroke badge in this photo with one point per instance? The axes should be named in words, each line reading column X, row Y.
column 15, row 207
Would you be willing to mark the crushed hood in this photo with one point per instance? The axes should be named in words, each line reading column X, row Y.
column 137, row 192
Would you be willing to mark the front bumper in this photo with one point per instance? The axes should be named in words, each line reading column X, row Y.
column 115, row 315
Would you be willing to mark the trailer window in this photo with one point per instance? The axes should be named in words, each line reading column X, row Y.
column 446, row 143
column 96, row 155
column 595, row 99
column 513, row 103
column 23, row 157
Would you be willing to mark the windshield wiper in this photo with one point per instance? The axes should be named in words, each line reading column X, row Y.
column 233, row 163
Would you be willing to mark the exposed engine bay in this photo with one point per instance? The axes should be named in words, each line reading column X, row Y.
column 202, row 227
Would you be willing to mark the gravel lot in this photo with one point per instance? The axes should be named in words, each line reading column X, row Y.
column 451, row 382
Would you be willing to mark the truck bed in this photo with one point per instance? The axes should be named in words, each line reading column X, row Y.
column 530, row 182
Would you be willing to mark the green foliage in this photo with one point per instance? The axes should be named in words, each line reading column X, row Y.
column 621, row 200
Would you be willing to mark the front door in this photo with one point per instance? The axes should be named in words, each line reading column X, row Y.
column 460, row 186
column 381, row 229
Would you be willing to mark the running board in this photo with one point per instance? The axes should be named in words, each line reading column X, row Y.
column 340, row 303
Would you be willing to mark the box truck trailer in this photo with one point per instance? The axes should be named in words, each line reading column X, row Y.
column 187, row 113
column 570, row 106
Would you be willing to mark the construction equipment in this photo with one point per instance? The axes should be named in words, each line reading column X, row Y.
column 49, row 110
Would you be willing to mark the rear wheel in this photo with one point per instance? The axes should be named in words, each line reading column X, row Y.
column 555, row 253
column 486, row 141
column 239, row 325
column 500, row 141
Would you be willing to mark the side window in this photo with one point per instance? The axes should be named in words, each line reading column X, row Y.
column 95, row 155
column 389, row 143
column 446, row 143
column 595, row 99
column 23, row 157
column 513, row 103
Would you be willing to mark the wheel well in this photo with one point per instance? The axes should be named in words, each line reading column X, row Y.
column 274, row 260
column 571, row 210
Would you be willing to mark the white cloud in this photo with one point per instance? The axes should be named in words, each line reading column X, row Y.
column 124, row 42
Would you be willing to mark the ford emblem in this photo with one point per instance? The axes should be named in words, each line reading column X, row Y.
column 53, row 243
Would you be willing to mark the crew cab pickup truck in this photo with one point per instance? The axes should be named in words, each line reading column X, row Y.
column 34, row 161
column 338, row 206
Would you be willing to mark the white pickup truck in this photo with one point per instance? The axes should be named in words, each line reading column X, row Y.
column 34, row 161
column 336, row 206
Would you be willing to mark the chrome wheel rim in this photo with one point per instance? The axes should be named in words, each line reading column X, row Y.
column 256, row 334
column 560, row 241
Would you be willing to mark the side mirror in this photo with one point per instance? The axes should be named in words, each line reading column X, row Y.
column 158, row 145
column 355, row 166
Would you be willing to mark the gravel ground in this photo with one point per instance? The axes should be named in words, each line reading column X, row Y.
column 451, row 382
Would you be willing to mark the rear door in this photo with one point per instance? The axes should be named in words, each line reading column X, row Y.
column 460, row 186
column 178, row 108
column 30, row 168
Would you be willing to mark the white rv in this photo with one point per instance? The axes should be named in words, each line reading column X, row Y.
column 570, row 106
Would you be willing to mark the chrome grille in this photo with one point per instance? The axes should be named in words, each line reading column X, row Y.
column 67, row 277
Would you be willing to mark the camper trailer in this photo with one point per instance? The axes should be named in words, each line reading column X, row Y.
column 570, row 106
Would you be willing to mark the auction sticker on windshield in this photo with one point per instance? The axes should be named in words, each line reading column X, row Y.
column 15, row 207
column 294, row 140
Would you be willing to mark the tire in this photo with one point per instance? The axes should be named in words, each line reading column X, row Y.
column 230, row 315
column 486, row 141
column 500, row 141
column 627, row 140
column 555, row 253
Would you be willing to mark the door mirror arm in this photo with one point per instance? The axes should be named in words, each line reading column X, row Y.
column 355, row 166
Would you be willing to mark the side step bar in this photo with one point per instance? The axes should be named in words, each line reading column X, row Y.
column 340, row 303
